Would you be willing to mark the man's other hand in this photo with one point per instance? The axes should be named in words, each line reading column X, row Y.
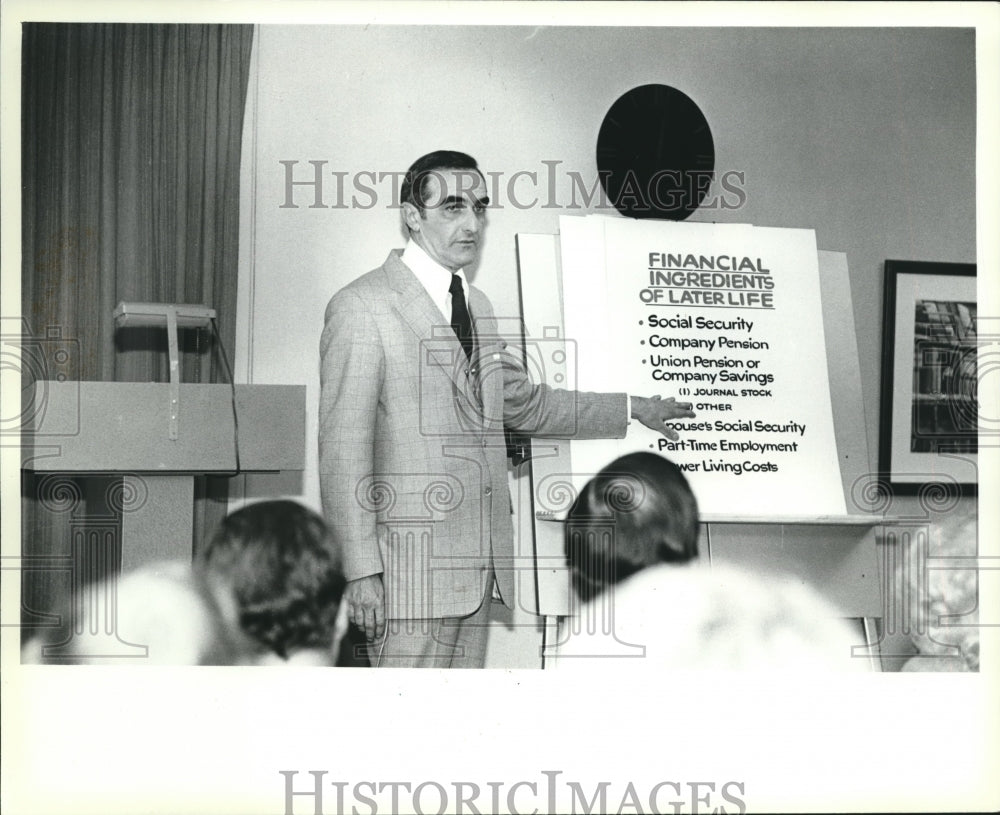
column 365, row 599
column 656, row 412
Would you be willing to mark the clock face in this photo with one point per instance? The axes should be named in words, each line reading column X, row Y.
column 655, row 154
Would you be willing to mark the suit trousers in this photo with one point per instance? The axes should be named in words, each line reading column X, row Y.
column 445, row 642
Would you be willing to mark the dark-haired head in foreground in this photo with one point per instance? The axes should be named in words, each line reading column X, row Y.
column 637, row 512
column 285, row 572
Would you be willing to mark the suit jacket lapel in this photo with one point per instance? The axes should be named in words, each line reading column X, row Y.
column 487, row 348
column 425, row 320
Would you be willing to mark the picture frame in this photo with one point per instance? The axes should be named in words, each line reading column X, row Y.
column 928, row 428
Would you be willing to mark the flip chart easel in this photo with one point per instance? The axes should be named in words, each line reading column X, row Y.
column 835, row 554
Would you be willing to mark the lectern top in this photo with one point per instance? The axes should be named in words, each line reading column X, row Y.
column 132, row 315
column 122, row 427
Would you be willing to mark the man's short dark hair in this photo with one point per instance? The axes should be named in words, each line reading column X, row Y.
column 285, row 571
column 637, row 512
column 414, row 188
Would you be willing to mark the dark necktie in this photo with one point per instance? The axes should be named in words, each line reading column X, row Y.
column 461, row 322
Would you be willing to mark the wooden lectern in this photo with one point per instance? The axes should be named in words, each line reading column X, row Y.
column 127, row 427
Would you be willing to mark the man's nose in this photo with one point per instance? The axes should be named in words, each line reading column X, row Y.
column 471, row 222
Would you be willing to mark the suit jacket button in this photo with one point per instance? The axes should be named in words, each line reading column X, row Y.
column 488, row 490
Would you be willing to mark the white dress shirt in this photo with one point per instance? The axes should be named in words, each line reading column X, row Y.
column 434, row 277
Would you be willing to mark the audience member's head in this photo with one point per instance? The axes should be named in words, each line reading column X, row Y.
column 718, row 618
column 286, row 575
column 159, row 614
column 637, row 512
column 940, row 601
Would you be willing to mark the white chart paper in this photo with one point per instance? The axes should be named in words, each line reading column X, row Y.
column 727, row 317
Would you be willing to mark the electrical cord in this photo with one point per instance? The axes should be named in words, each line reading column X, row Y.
column 232, row 391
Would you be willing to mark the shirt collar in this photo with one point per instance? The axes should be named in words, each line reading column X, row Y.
column 434, row 277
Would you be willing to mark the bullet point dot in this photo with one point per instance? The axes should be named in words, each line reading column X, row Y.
column 642, row 342
column 641, row 322
column 644, row 362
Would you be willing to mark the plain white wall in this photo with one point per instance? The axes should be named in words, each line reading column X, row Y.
column 867, row 136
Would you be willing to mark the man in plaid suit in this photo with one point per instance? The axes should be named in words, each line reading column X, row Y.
column 417, row 386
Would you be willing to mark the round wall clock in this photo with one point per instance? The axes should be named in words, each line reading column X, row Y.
column 655, row 154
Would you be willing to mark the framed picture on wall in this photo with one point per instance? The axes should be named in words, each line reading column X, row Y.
column 929, row 412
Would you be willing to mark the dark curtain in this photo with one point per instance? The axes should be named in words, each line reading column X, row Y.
column 130, row 172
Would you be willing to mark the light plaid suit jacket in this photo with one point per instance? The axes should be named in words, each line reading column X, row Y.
column 412, row 460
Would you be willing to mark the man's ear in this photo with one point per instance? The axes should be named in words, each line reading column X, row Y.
column 411, row 216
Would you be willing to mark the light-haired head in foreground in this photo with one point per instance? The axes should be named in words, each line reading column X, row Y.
column 940, row 599
column 159, row 614
column 700, row 618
